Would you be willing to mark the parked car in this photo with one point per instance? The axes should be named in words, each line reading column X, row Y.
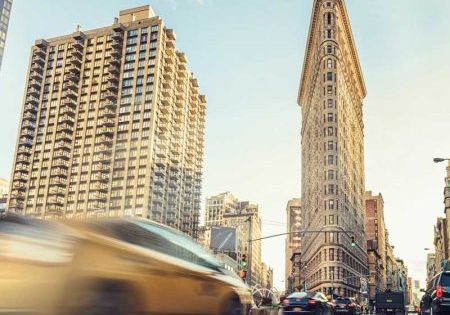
column 314, row 303
column 436, row 298
column 112, row 266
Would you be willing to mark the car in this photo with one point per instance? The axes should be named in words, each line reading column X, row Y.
column 345, row 305
column 314, row 303
column 113, row 266
column 436, row 298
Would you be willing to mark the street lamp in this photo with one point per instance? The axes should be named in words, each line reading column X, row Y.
column 438, row 160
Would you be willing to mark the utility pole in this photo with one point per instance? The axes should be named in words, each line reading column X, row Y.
column 249, row 249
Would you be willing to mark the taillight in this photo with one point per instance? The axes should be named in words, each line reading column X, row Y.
column 312, row 302
column 439, row 291
column 286, row 302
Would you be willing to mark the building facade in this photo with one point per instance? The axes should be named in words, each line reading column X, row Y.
column 431, row 266
column 447, row 206
column 375, row 270
column 4, row 188
column 331, row 95
column 247, row 221
column 217, row 206
column 402, row 278
column 294, row 223
column 440, row 242
column 5, row 12
column 266, row 276
column 112, row 125
column 226, row 210
column 376, row 242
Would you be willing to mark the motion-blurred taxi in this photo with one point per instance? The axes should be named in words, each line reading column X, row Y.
column 113, row 266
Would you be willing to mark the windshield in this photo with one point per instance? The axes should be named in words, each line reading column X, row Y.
column 298, row 295
column 445, row 280
column 182, row 241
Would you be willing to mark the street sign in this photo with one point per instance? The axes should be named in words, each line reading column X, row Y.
column 223, row 239
column 364, row 288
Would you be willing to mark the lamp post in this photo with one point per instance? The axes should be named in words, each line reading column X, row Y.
column 438, row 160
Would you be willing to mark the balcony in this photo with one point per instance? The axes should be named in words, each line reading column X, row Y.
column 109, row 122
column 103, row 140
column 26, row 141
column 78, row 45
column 111, row 87
column 100, row 196
column 21, row 168
column 38, row 59
column 58, row 191
column 66, row 118
column 114, row 70
column 105, row 130
column 101, row 177
column 163, row 108
column 70, row 94
column 161, row 162
column 160, row 171
column 67, row 111
column 163, row 127
column 58, row 181
column 24, row 151
column 23, row 159
column 69, row 102
column 70, row 85
column 100, row 186
column 116, row 53
column 106, row 112
column 71, row 77
column 103, row 168
column 161, row 153
column 35, row 75
column 37, row 67
column 21, row 177
column 32, row 100
column 109, row 95
column 74, row 68
column 65, row 127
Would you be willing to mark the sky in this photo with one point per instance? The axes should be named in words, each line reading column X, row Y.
column 247, row 56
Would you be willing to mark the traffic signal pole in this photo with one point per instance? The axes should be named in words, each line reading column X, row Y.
column 249, row 250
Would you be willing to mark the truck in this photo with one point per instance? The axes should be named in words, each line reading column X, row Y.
column 390, row 303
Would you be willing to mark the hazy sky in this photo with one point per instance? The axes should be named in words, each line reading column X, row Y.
column 247, row 56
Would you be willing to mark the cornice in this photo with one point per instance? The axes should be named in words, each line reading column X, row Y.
column 309, row 47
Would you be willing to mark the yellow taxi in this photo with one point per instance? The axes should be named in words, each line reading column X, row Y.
column 111, row 266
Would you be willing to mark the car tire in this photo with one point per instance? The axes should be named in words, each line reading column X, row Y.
column 110, row 301
column 233, row 307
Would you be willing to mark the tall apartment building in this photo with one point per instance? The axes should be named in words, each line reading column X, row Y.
column 331, row 95
column 226, row 210
column 5, row 11
column 294, row 223
column 112, row 125
column 376, row 241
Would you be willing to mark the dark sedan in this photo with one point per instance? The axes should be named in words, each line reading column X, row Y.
column 346, row 306
column 314, row 303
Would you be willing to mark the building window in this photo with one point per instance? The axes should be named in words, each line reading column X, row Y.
column 329, row 63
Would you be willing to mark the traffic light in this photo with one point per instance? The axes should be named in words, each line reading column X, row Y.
column 243, row 271
column 244, row 262
column 353, row 241
column 243, row 274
